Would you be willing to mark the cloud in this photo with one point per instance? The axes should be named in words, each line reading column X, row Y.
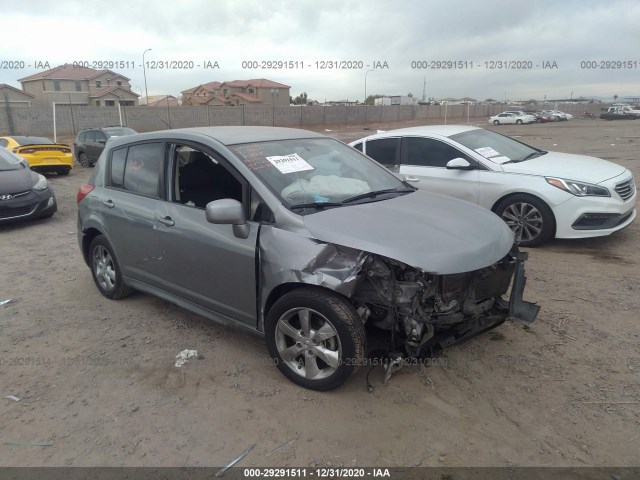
column 398, row 33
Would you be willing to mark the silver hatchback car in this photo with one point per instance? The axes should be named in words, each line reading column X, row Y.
column 301, row 239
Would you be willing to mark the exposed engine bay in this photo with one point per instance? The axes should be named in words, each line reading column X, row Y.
column 424, row 312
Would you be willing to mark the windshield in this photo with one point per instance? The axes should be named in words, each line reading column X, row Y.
column 9, row 161
column 33, row 140
column 318, row 172
column 495, row 147
column 119, row 132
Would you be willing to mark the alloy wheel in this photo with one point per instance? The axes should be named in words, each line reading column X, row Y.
column 524, row 220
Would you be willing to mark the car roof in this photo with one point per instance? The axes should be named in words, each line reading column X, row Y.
column 231, row 135
column 441, row 130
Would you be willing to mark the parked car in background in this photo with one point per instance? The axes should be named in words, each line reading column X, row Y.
column 511, row 118
column 540, row 116
column 539, row 194
column 297, row 237
column 624, row 110
column 530, row 117
column 24, row 194
column 616, row 113
column 41, row 153
column 91, row 141
column 560, row 115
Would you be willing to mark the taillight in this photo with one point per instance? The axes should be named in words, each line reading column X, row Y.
column 28, row 150
column 83, row 191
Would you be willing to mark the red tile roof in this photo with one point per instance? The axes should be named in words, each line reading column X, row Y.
column 247, row 98
column 101, row 92
column 69, row 72
column 4, row 85
column 162, row 102
column 256, row 82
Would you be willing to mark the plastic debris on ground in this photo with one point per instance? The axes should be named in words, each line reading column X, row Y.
column 6, row 302
column 12, row 397
column 184, row 356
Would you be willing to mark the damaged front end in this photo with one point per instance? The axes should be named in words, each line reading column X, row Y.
column 428, row 312
column 424, row 312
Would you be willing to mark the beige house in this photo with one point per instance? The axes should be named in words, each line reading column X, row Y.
column 13, row 97
column 258, row 91
column 79, row 86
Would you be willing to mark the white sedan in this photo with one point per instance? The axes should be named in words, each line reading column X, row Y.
column 539, row 194
column 511, row 118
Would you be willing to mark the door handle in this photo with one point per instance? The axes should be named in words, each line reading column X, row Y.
column 108, row 203
column 168, row 221
column 412, row 179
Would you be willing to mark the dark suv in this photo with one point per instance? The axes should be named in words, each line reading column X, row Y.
column 91, row 141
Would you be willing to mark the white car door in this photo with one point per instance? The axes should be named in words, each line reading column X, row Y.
column 423, row 163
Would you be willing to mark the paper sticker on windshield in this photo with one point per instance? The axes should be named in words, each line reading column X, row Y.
column 487, row 152
column 290, row 163
column 501, row 159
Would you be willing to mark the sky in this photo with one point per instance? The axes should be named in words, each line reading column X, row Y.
column 381, row 46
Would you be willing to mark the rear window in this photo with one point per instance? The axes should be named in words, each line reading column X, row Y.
column 33, row 140
column 119, row 132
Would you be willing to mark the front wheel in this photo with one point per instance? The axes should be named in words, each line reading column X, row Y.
column 496, row 122
column 106, row 271
column 315, row 337
column 530, row 219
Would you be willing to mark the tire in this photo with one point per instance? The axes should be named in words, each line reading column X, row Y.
column 106, row 271
column 323, row 354
column 84, row 160
column 64, row 171
column 518, row 122
column 496, row 122
column 530, row 219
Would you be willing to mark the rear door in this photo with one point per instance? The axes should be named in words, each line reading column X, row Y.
column 135, row 180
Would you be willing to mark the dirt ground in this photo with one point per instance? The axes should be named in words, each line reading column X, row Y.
column 96, row 378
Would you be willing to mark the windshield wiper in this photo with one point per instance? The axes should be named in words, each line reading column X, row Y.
column 317, row 205
column 532, row 155
column 375, row 193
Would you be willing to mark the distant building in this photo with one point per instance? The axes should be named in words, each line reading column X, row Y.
column 160, row 101
column 79, row 86
column 396, row 100
column 259, row 91
column 14, row 97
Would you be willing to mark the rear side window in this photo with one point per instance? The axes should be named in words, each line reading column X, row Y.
column 384, row 151
column 91, row 136
column 138, row 168
column 358, row 146
column 82, row 136
column 143, row 167
column 118, row 158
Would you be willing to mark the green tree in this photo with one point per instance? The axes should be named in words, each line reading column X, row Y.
column 371, row 99
column 300, row 99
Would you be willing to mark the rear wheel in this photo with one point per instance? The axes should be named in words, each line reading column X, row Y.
column 106, row 271
column 315, row 337
column 496, row 122
column 84, row 160
column 518, row 122
column 530, row 219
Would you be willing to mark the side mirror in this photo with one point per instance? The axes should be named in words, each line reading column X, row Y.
column 459, row 164
column 228, row 212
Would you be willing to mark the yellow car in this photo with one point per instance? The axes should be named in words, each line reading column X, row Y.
column 41, row 153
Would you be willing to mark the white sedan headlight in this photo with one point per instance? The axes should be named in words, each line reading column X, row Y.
column 41, row 184
column 579, row 189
